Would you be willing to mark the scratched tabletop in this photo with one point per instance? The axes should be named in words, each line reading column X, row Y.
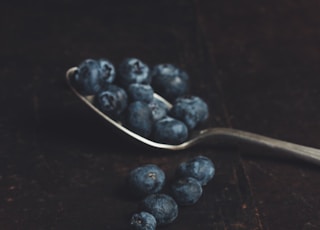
column 256, row 64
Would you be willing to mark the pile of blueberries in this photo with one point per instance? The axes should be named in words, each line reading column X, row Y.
column 157, row 208
column 126, row 94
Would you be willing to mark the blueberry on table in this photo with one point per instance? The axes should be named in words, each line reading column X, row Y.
column 112, row 100
column 93, row 75
column 192, row 110
column 186, row 191
column 163, row 207
column 201, row 168
column 140, row 92
column 133, row 70
column 143, row 221
column 170, row 131
column 146, row 179
column 139, row 118
column 169, row 81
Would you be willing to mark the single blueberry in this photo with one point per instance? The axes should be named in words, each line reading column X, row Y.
column 163, row 207
column 92, row 75
column 133, row 70
column 192, row 110
column 200, row 168
column 146, row 179
column 88, row 77
column 140, row 92
column 143, row 221
column 170, row 131
column 108, row 72
column 186, row 191
column 169, row 81
column 112, row 100
column 139, row 118
column 158, row 109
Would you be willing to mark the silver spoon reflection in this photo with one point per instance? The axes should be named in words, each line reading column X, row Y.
column 210, row 135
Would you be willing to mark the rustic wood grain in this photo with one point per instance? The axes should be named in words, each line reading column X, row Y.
column 266, row 55
column 255, row 63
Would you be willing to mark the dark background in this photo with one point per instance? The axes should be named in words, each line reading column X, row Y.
column 256, row 63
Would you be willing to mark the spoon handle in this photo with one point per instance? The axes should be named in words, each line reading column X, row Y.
column 234, row 136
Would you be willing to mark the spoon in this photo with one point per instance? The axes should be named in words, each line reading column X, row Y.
column 210, row 135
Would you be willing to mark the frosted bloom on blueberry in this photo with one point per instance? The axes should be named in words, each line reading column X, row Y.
column 170, row 131
column 133, row 70
column 186, row 191
column 112, row 100
column 169, row 81
column 93, row 75
column 108, row 72
column 163, row 207
column 143, row 221
column 146, row 179
column 192, row 110
column 139, row 118
column 200, row 168
column 140, row 92
column 158, row 109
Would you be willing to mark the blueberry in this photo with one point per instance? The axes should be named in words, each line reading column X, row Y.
column 169, row 81
column 163, row 207
column 133, row 70
column 146, row 179
column 108, row 72
column 112, row 100
column 192, row 110
column 92, row 75
column 139, row 118
column 200, row 168
column 158, row 109
column 140, row 92
column 170, row 131
column 186, row 191
column 143, row 221
column 88, row 77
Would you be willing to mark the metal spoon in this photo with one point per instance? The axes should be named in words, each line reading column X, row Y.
column 210, row 135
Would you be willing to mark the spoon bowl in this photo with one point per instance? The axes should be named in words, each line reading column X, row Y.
column 210, row 135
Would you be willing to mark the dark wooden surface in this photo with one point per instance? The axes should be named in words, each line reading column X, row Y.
column 256, row 63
